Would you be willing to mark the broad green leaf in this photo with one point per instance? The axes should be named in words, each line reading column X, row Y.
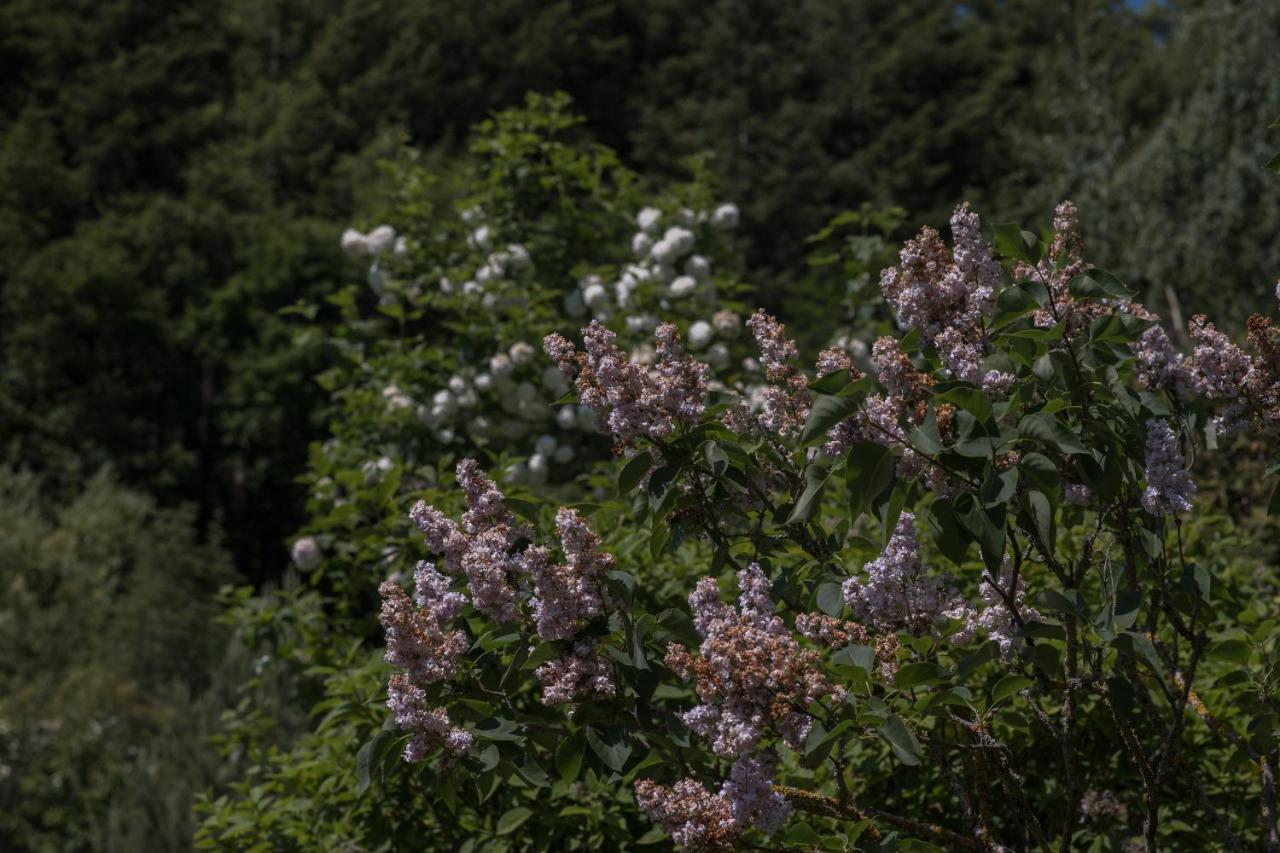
column 1008, row 686
column 904, row 744
column 512, row 820
column 633, row 472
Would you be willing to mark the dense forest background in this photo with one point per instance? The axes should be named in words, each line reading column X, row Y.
column 173, row 175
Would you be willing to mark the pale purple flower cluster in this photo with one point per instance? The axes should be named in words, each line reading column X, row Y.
column 1220, row 370
column 418, row 638
column 431, row 727
column 948, row 296
column 1077, row 493
column 629, row 400
column 994, row 618
column 751, row 675
column 777, row 351
column 565, row 597
column 483, row 547
column 1160, row 366
column 784, row 403
column 420, row 642
column 581, row 672
column 1169, row 486
column 897, row 593
column 749, row 790
column 833, row 359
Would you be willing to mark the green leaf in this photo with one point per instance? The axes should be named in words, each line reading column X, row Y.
column 371, row 756
column 815, row 481
column 832, row 383
column 716, row 458
column 826, row 413
column 1273, row 164
column 862, row 657
column 659, row 483
column 921, row 672
column 901, row 740
column 1098, row 283
column 512, row 820
column 1232, row 651
column 501, row 730
column 869, row 470
column 1008, row 686
column 610, row 746
column 569, row 756
column 966, row 397
column 1013, row 242
column 633, row 472
column 830, row 598
column 1273, row 505
column 1044, row 427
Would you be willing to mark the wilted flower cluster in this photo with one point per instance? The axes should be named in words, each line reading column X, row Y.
column 897, row 593
column 698, row 820
column 630, row 401
column 1169, row 486
column 751, row 674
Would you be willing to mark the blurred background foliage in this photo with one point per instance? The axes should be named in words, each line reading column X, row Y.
column 173, row 175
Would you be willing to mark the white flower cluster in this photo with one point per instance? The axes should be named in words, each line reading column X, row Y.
column 380, row 241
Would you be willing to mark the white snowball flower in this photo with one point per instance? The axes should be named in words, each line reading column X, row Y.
column 596, row 297
column 447, row 287
column 546, row 445
column 522, row 352
column 457, row 384
column 490, row 300
column 446, row 435
column 500, row 365
column 725, row 216
column 481, row 238
column 471, row 214
column 685, row 216
column 445, row 401
column 538, row 469
column 681, row 240
column 481, row 426
column 396, row 399
column 699, row 335
column 718, row 356
column 482, row 382
column 468, row 399
column 519, row 256
column 682, row 287
column 306, row 553
column 638, row 323
column 564, row 453
column 381, row 240
column 472, row 288
column 566, row 417
column 641, row 243
column 354, row 243
column 698, row 267
column 573, row 304
column 553, row 378
column 647, row 218
column 400, row 249
column 664, row 252
column 622, row 290
column 488, row 273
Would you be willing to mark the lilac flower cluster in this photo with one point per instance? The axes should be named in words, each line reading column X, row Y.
column 430, row 726
column 783, row 403
column 751, row 674
column 897, row 593
column 949, row 297
column 698, row 820
column 995, row 618
column 418, row 639
column 630, row 401
column 484, row 547
column 1160, row 366
column 581, row 672
column 420, row 642
column 1101, row 806
column 567, row 596
column 1169, row 486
